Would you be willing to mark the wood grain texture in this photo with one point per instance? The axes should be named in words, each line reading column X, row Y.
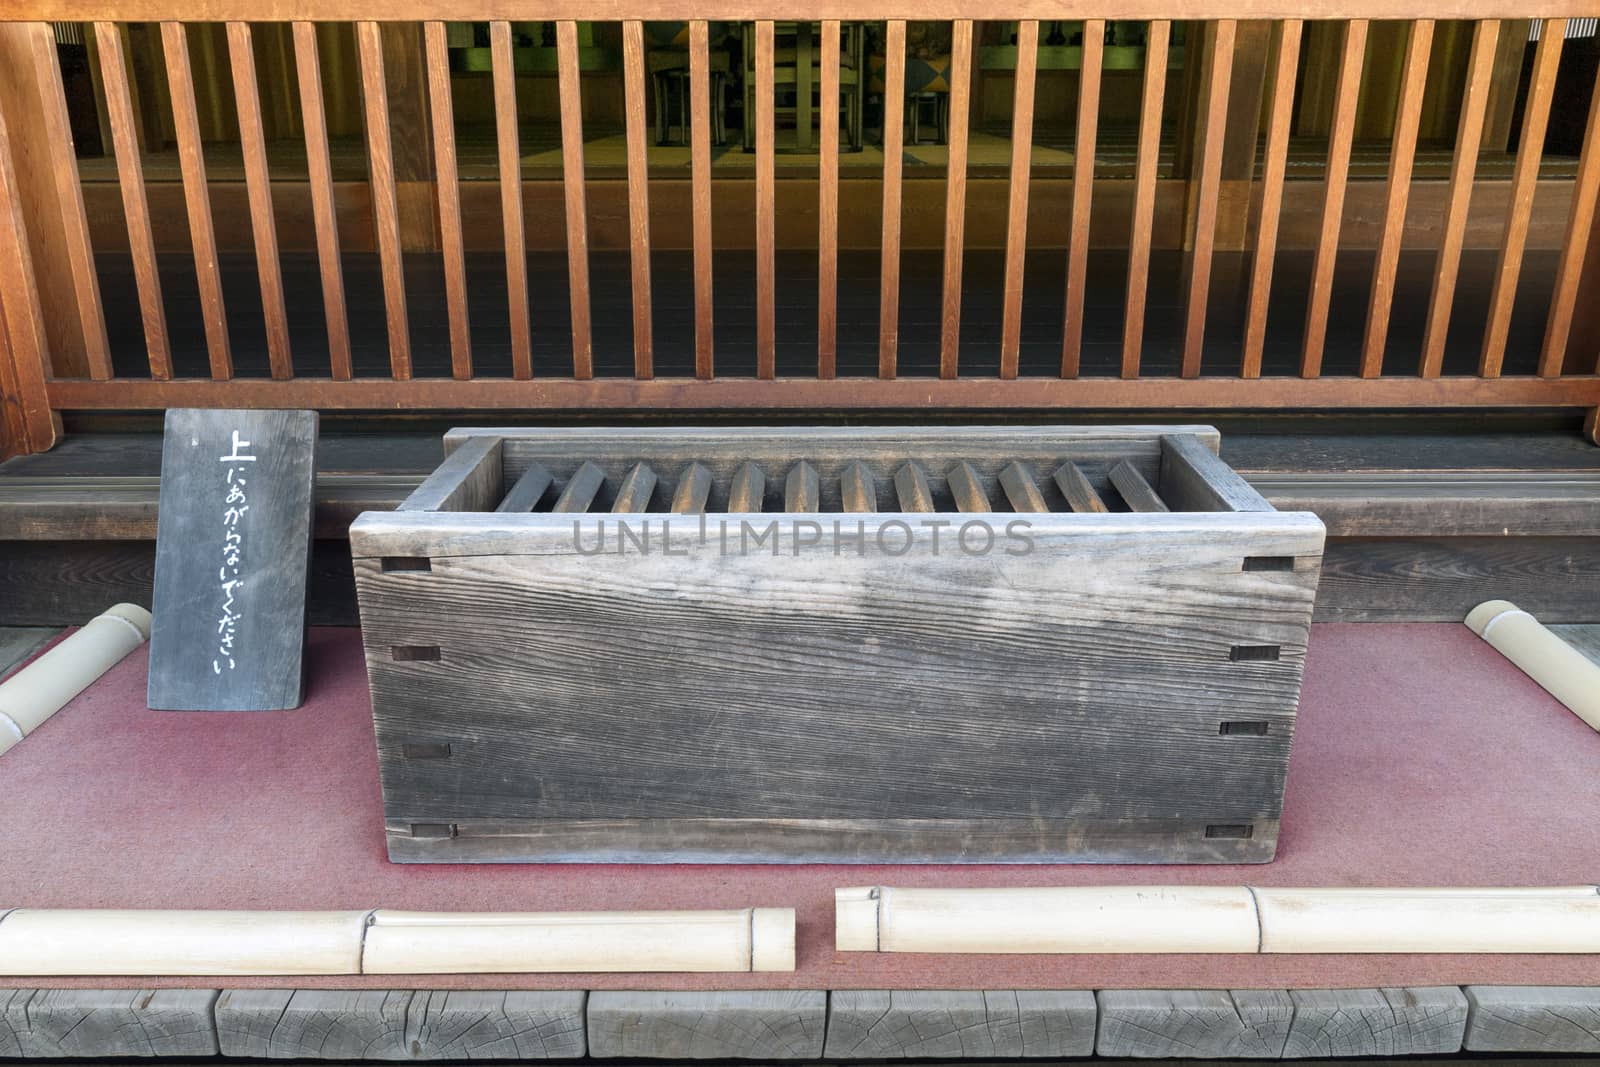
column 98, row 1024
column 135, row 205
column 1524, row 175
column 1144, row 194
column 573, row 188
column 1135, row 489
column 911, row 488
column 894, row 80
column 955, row 197
column 1532, row 1019
column 1194, row 479
column 1575, row 250
column 1463, row 166
column 748, row 489
column 857, row 489
column 828, row 206
column 1075, row 486
column 1083, row 146
column 967, row 488
column 385, row 206
column 1218, row 46
column 1189, row 1023
column 802, row 489
column 694, row 489
column 638, row 196
column 766, row 203
column 1330, row 1023
column 469, row 479
column 509, row 155
column 401, row 1024
column 581, row 489
column 700, row 191
column 1021, row 490
column 28, row 423
column 758, row 1025
column 233, row 561
column 447, row 181
column 1402, row 153
column 1280, row 114
column 528, row 490
column 1441, row 504
column 258, row 187
column 633, row 495
column 870, row 1024
column 319, row 173
column 528, row 582
column 196, row 197
column 1347, row 98
column 1017, row 190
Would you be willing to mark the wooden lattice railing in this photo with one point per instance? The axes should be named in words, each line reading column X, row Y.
column 41, row 377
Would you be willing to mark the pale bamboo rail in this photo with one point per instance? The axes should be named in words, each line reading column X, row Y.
column 1566, row 377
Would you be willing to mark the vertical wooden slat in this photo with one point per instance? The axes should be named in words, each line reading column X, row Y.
column 1144, row 193
column 700, row 190
column 319, row 168
column 894, row 93
column 1574, row 248
column 1524, row 179
column 135, row 205
column 638, row 196
column 828, row 206
column 1280, row 115
column 1083, row 147
column 510, row 159
column 955, row 199
column 26, row 422
column 385, row 208
column 1219, row 66
column 1463, row 165
column 1347, row 95
column 1017, row 208
column 1402, row 151
column 766, row 191
column 258, row 189
column 197, row 198
column 442, row 115
column 572, row 180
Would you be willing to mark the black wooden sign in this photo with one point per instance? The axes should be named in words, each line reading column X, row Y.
column 233, row 547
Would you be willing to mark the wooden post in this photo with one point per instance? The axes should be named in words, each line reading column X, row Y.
column 46, row 184
column 26, row 422
column 411, row 133
column 1252, row 51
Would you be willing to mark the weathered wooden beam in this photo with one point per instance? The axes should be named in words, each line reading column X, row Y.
column 694, row 487
column 967, row 488
column 857, row 490
column 911, row 486
column 1136, row 492
column 801, row 490
column 581, row 489
column 748, row 489
column 527, row 490
column 1020, row 488
column 1075, row 486
column 759, row 1025
column 633, row 495
column 876, row 1024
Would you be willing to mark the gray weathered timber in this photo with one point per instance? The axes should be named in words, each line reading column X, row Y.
column 858, row 491
column 694, row 488
column 233, row 552
column 1376, row 1022
column 1585, row 637
column 911, row 487
column 1020, row 489
column 401, row 1024
column 633, row 495
column 1533, row 1018
column 1135, row 489
column 966, row 486
column 528, row 490
column 1193, row 1023
column 1038, row 666
column 105, row 1023
column 802, row 489
column 468, row 480
column 748, row 490
column 1080, row 495
column 1194, row 479
column 18, row 643
column 966, row 1024
column 580, row 490
column 760, row 1025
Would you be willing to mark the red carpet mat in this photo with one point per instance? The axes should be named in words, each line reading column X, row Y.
column 1421, row 758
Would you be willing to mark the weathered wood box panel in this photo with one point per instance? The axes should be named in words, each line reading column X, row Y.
column 835, row 645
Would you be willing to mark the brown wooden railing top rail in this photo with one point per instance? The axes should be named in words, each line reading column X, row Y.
column 39, row 187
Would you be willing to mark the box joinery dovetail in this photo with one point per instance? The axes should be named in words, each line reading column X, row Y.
column 835, row 645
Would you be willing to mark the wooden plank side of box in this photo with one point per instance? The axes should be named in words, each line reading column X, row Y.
column 1086, row 687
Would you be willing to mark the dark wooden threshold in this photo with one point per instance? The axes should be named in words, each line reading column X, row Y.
column 1421, row 526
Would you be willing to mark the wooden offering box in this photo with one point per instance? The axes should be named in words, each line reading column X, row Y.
column 835, row 645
